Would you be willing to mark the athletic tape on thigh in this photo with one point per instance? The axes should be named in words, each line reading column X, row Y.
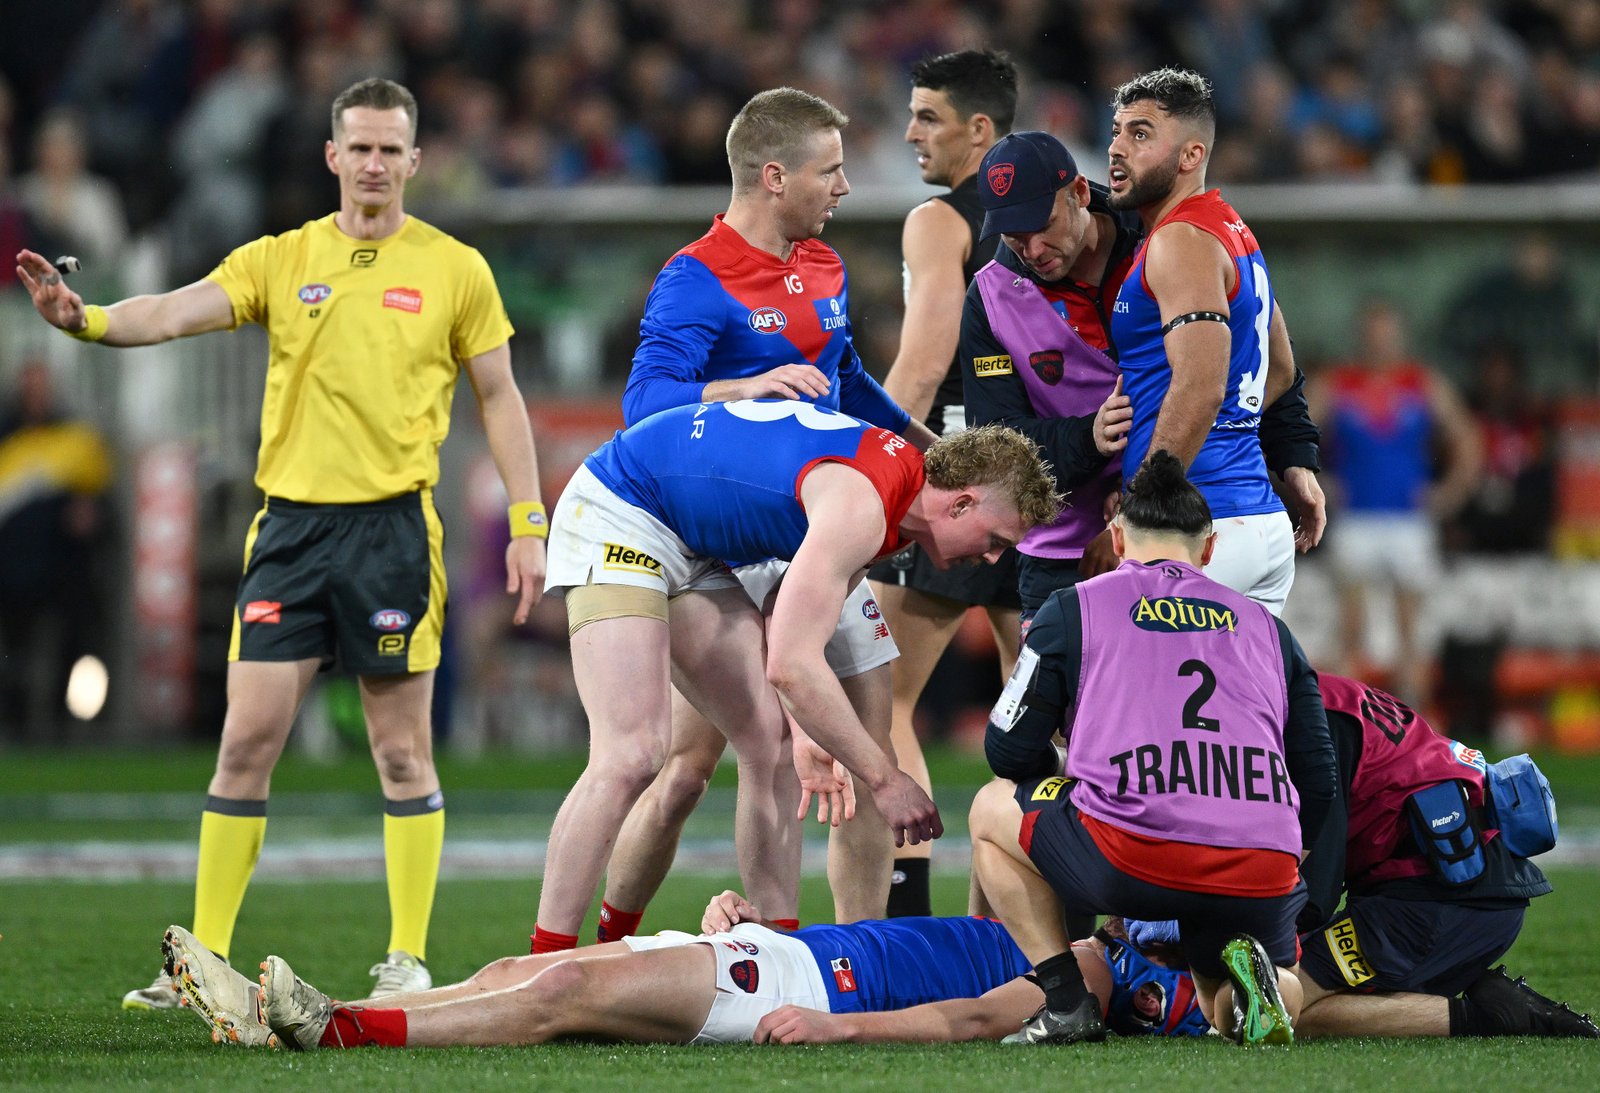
column 593, row 602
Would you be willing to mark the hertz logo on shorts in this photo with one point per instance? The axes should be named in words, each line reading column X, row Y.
column 1178, row 614
column 636, row 561
column 1049, row 789
column 992, row 366
column 1346, row 949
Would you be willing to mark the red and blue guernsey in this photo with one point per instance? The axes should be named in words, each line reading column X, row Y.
column 725, row 476
column 892, row 964
column 1229, row 469
column 722, row 309
column 1382, row 426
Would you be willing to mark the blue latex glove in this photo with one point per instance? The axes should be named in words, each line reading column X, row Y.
column 1143, row 933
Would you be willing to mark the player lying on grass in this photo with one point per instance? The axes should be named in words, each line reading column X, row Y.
column 907, row 979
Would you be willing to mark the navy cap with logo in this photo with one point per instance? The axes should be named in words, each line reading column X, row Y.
column 1019, row 179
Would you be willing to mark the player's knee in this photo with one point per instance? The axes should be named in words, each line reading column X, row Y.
column 628, row 770
column 401, row 761
column 552, row 999
column 989, row 804
column 679, row 787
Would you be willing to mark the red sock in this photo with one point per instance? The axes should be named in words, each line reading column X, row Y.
column 616, row 925
column 358, row 1026
column 548, row 941
column 786, row 923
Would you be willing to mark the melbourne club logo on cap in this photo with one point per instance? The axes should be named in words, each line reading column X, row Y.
column 1000, row 176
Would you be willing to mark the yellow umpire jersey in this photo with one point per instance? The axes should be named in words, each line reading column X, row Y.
column 367, row 341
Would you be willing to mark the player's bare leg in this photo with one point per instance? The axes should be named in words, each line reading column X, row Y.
column 861, row 850
column 719, row 664
column 1338, row 1013
column 623, row 677
column 649, row 838
column 497, row 975
column 661, row 996
column 1020, row 897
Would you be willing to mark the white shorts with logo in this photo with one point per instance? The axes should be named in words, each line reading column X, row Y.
column 1255, row 556
column 758, row 970
column 862, row 640
column 598, row 538
column 1402, row 547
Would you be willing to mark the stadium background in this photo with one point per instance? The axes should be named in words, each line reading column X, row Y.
column 1406, row 148
column 1400, row 148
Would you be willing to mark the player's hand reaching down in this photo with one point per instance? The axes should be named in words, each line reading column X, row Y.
column 827, row 780
column 1112, row 421
column 910, row 813
column 52, row 299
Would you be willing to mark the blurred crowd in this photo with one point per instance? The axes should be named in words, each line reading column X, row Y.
column 200, row 114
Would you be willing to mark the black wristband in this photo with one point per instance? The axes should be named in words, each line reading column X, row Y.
column 1194, row 317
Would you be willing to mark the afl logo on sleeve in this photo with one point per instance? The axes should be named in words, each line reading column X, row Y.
column 768, row 320
column 314, row 294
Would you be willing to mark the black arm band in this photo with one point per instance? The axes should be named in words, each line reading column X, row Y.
column 1194, row 317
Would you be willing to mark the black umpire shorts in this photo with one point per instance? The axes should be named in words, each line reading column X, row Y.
column 1070, row 860
column 359, row 586
column 974, row 585
column 1379, row 943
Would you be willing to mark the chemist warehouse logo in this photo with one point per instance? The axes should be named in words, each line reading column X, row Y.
column 1178, row 615
column 636, row 561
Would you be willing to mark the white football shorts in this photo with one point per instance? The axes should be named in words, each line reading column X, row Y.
column 862, row 640
column 758, row 970
column 1402, row 547
column 598, row 538
column 1255, row 556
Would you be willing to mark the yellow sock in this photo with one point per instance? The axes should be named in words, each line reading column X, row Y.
column 413, row 839
column 230, row 842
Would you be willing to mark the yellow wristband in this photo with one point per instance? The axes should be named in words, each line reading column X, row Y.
column 95, row 323
column 528, row 518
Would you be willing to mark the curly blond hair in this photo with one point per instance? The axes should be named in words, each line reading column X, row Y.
column 1001, row 457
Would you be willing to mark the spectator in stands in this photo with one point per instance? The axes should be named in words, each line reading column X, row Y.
column 1512, row 508
column 1530, row 301
column 1384, row 413
column 217, row 148
column 79, row 212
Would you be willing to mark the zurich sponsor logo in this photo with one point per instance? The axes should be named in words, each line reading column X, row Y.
column 390, row 619
column 767, row 320
column 314, row 294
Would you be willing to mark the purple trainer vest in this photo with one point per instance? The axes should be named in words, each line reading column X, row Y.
column 1178, row 729
column 1400, row 754
column 1064, row 376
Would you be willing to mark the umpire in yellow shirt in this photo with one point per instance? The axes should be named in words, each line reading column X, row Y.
column 371, row 315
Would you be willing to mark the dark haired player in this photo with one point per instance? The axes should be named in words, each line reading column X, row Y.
column 961, row 103
column 1203, row 345
column 1198, row 766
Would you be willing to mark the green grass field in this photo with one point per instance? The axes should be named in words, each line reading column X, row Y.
column 71, row 947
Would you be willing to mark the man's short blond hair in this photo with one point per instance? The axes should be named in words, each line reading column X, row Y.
column 999, row 457
column 378, row 94
column 776, row 126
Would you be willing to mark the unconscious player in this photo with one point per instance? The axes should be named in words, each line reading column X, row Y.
column 907, row 979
